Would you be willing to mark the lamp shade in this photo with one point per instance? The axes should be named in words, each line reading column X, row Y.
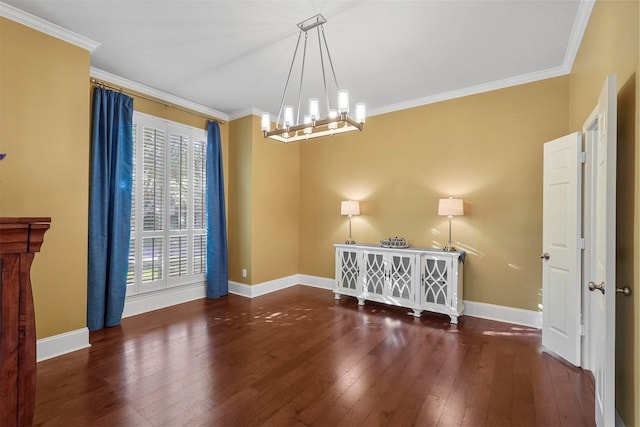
column 450, row 207
column 350, row 207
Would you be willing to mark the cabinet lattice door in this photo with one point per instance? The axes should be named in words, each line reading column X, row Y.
column 435, row 280
column 349, row 270
column 375, row 273
column 401, row 277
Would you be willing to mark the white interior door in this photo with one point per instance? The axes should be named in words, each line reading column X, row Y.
column 600, row 273
column 561, row 257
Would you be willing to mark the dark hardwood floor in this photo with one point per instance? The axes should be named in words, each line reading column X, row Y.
column 297, row 357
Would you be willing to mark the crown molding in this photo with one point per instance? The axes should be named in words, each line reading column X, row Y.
column 472, row 90
column 155, row 93
column 585, row 8
column 39, row 24
column 251, row 111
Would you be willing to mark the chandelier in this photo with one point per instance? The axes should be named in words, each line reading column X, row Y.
column 313, row 125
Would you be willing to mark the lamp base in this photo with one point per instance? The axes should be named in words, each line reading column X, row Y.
column 449, row 249
column 350, row 242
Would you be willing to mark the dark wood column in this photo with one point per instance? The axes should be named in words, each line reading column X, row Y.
column 20, row 239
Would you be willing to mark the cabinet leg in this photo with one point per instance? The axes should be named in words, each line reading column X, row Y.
column 336, row 296
column 360, row 301
column 416, row 312
column 454, row 319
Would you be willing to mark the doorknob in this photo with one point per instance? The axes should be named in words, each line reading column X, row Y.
column 593, row 287
column 545, row 256
column 625, row 290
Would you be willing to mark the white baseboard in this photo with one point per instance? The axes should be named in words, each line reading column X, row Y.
column 316, row 282
column 138, row 304
column 57, row 345
column 252, row 291
column 501, row 313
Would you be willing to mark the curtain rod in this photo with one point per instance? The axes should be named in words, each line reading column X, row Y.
column 157, row 101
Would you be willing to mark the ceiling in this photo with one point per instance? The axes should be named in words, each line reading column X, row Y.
column 233, row 56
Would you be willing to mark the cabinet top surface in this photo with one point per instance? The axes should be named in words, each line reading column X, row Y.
column 410, row 249
column 24, row 220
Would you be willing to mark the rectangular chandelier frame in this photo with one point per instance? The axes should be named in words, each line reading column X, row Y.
column 315, row 129
column 314, row 125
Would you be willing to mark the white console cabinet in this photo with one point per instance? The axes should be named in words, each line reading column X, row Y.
column 419, row 279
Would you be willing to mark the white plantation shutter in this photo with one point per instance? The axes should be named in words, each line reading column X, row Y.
column 152, row 258
column 168, row 235
column 199, row 206
column 178, row 256
column 131, row 273
column 199, row 184
column 199, row 254
column 153, row 151
column 179, row 186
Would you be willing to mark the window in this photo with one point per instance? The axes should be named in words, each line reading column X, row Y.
column 168, row 213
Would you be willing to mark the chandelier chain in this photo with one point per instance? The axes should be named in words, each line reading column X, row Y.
column 333, row 71
column 324, row 78
column 286, row 85
column 304, row 58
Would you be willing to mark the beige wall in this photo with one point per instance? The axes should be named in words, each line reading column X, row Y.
column 610, row 45
column 485, row 148
column 240, row 206
column 276, row 197
column 44, row 129
column 264, row 205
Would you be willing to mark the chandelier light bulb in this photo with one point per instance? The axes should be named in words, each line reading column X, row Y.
column 343, row 101
column 266, row 122
column 288, row 116
column 307, row 121
column 360, row 112
column 314, row 108
column 333, row 114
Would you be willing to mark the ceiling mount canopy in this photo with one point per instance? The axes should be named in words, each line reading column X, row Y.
column 288, row 126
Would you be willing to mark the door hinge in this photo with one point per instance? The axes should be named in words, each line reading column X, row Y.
column 582, row 157
column 582, row 244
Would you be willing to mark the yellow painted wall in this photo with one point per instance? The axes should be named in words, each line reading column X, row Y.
column 276, row 207
column 264, row 205
column 240, row 207
column 44, row 129
column 486, row 149
column 610, row 45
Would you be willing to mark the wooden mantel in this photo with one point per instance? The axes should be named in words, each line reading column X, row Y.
column 20, row 239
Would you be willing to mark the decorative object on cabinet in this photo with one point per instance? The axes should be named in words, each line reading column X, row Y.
column 313, row 125
column 450, row 207
column 394, row 242
column 351, row 208
column 415, row 278
column 20, row 239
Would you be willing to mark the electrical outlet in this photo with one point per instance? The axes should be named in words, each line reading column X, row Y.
column 244, row 272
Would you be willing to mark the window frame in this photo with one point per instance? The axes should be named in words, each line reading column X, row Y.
column 138, row 286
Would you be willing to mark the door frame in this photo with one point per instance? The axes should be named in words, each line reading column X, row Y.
column 589, row 134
